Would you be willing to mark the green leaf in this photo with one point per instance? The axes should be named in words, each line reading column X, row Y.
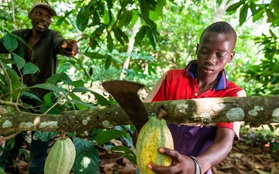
column 93, row 43
column 20, row 62
column 159, row 7
column 235, row 6
column 48, row 98
column 87, row 157
column 47, row 86
column 158, row 12
column 152, row 37
column 96, row 18
column 125, row 152
column 12, row 75
column 63, row 18
column 101, row 99
column 99, row 31
column 120, row 35
column 58, row 78
column 116, row 59
column 108, row 62
column 30, row 95
column 243, row 14
column 82, row 19
column 80, row 89
column 29, row 68
column 78, row 83
column 95, row 55
column 2, row 171
column 125, row 18
column 140, row 35
column 270, row 15
column 144, row 8
column 106, row 136
column 150, row 24
column 109, row 3
column 79, row 103
column 258, row 15
column 253, row 7
column 44, row 136
column 10, row 42
column 109, row 42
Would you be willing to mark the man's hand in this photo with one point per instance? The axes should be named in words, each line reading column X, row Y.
column 70, row 46
column 180, row 163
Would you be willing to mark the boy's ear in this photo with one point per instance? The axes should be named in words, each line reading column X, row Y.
column 231, row 57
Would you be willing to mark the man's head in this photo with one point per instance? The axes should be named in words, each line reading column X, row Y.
column 215, row 49
column 41, row 16
column 45, row 6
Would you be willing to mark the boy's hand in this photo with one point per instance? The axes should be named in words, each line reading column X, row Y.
column 180, row 163
column 70, row 46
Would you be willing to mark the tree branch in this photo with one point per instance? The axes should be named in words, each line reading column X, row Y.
column 254, row 110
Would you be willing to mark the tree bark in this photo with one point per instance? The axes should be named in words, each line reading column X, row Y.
column 255, row 110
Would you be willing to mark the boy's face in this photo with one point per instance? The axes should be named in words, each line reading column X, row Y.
column 41, row 19
column 214, row 52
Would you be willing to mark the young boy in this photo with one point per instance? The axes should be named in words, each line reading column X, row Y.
column 198, row 149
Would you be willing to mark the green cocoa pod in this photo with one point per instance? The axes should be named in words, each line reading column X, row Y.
column 61, row 157
column 154, row 134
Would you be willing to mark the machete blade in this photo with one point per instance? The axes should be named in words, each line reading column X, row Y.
column 126, row 95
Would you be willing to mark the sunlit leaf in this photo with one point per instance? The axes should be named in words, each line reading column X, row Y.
column 87, row 157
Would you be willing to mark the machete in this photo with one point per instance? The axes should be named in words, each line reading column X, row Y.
column 125, row 94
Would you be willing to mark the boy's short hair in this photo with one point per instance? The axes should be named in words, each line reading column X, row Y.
column 221, row 27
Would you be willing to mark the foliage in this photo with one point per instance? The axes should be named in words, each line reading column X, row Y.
column 262, row 72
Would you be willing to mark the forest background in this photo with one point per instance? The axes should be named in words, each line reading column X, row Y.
column 139, row 40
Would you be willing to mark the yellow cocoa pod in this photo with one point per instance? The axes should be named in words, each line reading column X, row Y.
column 61, row 157
column 154, row 134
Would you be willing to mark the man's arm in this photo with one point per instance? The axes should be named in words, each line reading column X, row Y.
column 67, row 47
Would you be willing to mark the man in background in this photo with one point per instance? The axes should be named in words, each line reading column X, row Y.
column 41, row 48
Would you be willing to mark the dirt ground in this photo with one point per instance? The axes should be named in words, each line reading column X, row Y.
column 248, row 156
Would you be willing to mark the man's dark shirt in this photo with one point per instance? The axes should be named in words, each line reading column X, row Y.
column 43, row 55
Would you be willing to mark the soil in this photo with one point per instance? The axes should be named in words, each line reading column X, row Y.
column 250, row 155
